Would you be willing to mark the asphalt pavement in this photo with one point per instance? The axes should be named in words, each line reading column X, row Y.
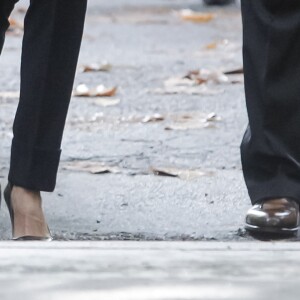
column 152, row 127
column 150, row 199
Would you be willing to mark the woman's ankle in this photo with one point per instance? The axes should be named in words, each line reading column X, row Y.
column 26, row 200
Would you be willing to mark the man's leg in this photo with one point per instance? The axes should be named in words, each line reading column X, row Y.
column 271, row 145
column 6, row 7
column 52, row 37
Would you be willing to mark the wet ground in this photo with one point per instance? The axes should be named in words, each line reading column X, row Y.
column 147, row 129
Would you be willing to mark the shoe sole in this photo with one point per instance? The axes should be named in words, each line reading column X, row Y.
column 272, row 230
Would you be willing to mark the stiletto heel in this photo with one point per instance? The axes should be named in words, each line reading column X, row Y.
column 7, row 198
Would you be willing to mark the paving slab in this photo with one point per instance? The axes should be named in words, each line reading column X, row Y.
column 149, row 270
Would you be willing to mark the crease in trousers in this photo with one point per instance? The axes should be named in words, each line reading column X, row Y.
column 52, row 37
column 270, row 148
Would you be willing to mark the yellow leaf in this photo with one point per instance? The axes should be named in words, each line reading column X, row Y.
column 197, row 17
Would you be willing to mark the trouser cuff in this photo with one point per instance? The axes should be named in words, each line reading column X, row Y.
column 33, row 168
column 279, row 187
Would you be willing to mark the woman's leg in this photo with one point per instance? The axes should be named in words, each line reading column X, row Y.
column 52, row 37
column 271, row 145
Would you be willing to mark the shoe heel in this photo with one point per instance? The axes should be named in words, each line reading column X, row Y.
column 7, row 198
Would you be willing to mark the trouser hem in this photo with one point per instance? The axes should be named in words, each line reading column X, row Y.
column 33, row 168
column 279, row 187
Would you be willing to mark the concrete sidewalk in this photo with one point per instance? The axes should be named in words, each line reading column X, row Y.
column 149, row 271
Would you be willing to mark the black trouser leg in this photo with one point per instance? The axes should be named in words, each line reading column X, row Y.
column 52, row 36
column 6, row 7
column 271, row 145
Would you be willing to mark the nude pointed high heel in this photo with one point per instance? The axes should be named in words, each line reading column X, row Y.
column 7, row 197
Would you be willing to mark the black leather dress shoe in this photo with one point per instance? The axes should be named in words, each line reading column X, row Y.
column 218, row 2
column 275, row 216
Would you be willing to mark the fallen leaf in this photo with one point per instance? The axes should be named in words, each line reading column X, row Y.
column 102, row 91
column 22, row 10
column 106, row 101
column 153, row 118
column 235, row 71
column 197, row 17
column 222, row 45
column 235, row 75
column 194, row 78
column 179, row 81
column 189, row 125
column 185, row 174
column 178, row 121
column 15, row 24
column 83, row 90
column 91, row 167
column 189, row 90
column 205, row 75
column 211, row 46
column 15, row 28
column 103, row 67
column 190, row 121
column 212, row 117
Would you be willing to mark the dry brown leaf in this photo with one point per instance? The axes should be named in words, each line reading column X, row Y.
column 22, row 10
column 235, row 75
column 212, row 117
column 189, row 90
column 222, row 45
column 197, row 17
column 105, row 92
column 235, row 71
column 191, row 121
column 15, row 24
column 91, row 167
column 188, row 84
column 103, row 67
column 103, row 101
column 178, row 121
column 194, row 78
column 179, row 81
column 15, row 28
column 205, row 75
column 211, row 46
column 185, row 174
column 153, row 118
column 189, row 125
column 83, row 90
column 102, row 91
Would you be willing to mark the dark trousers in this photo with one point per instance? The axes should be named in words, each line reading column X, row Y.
column 271, row 145
column 52, row 37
